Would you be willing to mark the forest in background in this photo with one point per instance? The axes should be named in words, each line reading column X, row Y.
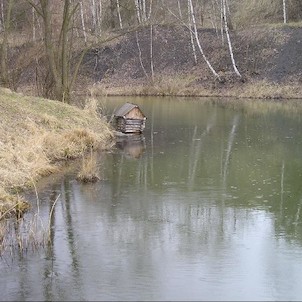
column 44, row 43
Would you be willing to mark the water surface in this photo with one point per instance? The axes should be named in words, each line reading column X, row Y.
column 206, row 205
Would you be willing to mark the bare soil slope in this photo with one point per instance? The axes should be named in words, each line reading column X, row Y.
column 273, row 55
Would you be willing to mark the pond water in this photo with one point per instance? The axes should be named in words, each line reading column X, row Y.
column 206, row 205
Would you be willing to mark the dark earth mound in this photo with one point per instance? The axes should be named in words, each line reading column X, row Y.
column 271, row 54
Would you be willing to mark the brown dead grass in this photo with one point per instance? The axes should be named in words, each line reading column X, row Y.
column 89, row 170
column 36, row 135
column 189, row 86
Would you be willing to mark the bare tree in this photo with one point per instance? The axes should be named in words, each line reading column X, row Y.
column 151, row 52
column 179, row 9
column 226, row 28
column 140, row 55
column 58, row 49
column 216, row 75
column 284, row 12
column 83, row 21
column 137, row 9
column 119, row 14
column 6, row 19
column 191, row 34
column 96, row 15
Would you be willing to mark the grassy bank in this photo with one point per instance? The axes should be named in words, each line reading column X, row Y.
column 36, row 136
column 185, row 85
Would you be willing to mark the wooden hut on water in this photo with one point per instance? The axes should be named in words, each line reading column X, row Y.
column 129, row 119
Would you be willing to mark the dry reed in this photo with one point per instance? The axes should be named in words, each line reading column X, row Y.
column 89, row 169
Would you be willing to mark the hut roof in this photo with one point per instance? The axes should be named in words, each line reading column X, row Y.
column 126, row 108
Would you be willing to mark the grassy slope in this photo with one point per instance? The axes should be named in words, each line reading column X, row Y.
column 37, row 134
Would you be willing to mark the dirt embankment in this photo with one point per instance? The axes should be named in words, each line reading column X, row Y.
column 269, row 59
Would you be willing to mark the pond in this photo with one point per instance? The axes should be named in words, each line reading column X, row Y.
column 205, row 205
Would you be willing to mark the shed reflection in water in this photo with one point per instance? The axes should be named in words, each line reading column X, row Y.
column 131, row 145
column 205, row 206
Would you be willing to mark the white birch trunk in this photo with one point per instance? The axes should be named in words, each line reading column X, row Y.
column 150, row 9
column 229, row 39
column 144, row 10
column 140, row 55
column 99, row 17
column 284, row 12
column 179, row 9
column 151, row 52
column 221, row 21
column 191, row 35
column 34, row 24
column 198, row 42
column 93, row 14
column 119, row 14
column 83, row 21
column 137, row 11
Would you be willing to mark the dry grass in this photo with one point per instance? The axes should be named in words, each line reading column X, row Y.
column 162, row 85
column 168, row 86
column 37, row 134
column 266, row 90
column 89, row 171
column 11, row 204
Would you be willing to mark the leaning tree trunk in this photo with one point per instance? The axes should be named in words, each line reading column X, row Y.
column 119, row 14
column 191, row 35
column 226, row 27
column 198, row 41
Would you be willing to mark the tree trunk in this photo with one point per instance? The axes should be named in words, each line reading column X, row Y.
column 140, row 55
column 83, row 21
column 198, row 41
column 58, row 51
column 284, row 12
column 137, row 11
column 5, row 81
column 191, row 35
column 179, row 9
column 151, row 52
column 119, row 14
column 229, row 39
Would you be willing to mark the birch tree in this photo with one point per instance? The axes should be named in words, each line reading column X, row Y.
column 191, row 34
column 192, row 16
column 226, row 27
column 83, row 21
column 119, row 14
column 151, row 52
column 137, row 9
column 142, row 12
column 96, row 8
column 284, row 12
column 140, row 55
